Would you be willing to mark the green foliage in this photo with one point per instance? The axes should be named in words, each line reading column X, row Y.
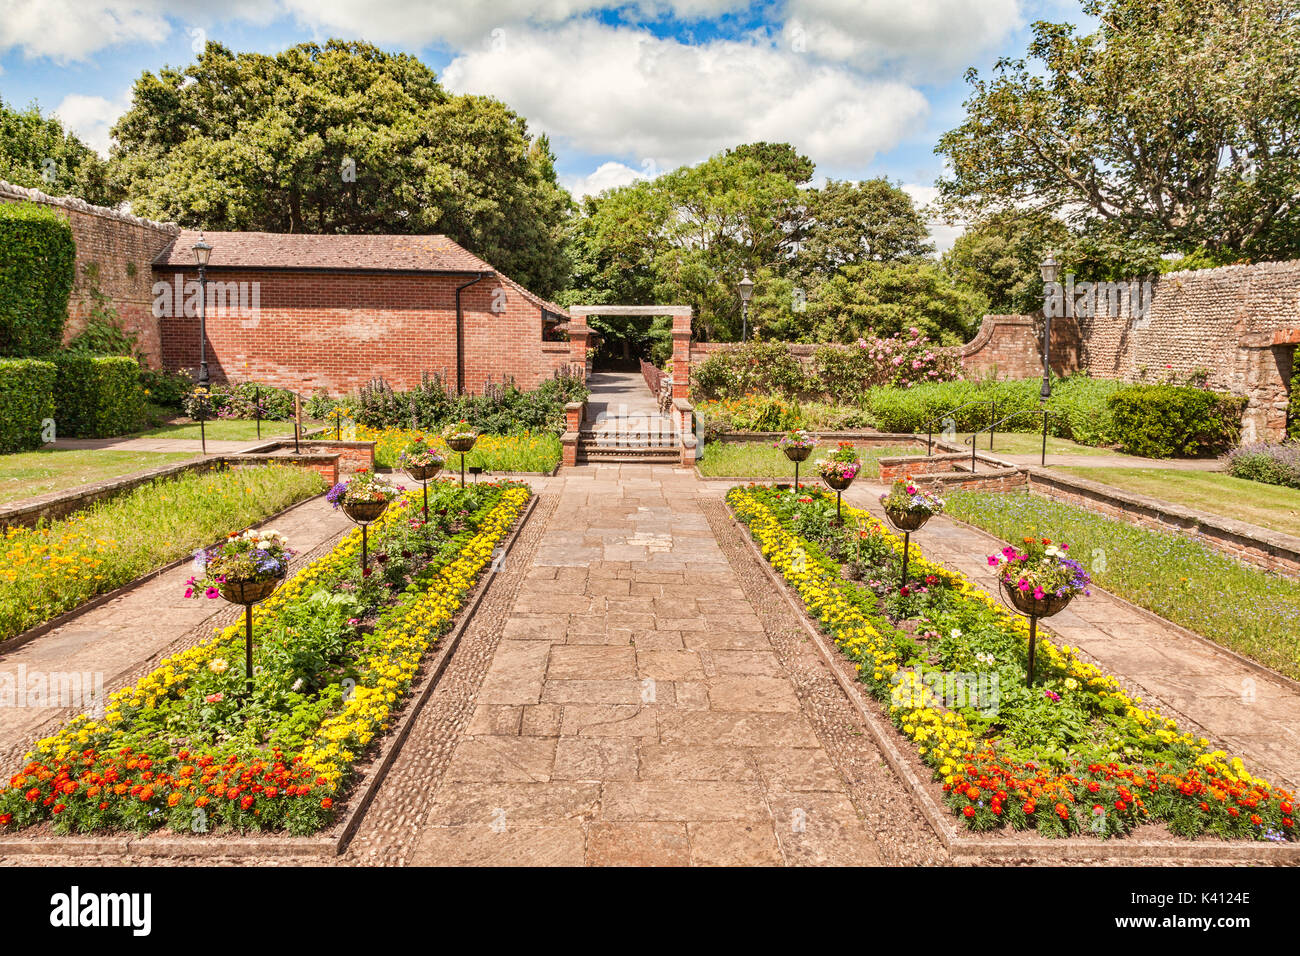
column 888, row 298
column 97, row 396
column 26, row 401
column 239, row 400
column 1273, row 464
column 999, row 258
column 1166, row 421
column 755, row 366
column 164, row 388
column 342, row 138
column 851, row 223
column 38, row 153
column 1166, row 129
column 37, row 267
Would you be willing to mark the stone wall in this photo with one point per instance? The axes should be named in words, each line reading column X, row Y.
column 115, row 252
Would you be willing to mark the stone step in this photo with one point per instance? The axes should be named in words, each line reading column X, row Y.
column 630, row 455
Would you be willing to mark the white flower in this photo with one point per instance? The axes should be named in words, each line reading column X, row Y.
column 297, row 685
column 956, row 632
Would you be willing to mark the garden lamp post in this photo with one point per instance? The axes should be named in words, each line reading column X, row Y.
column 202, row 252
column 746, row 287
column 1050, row 269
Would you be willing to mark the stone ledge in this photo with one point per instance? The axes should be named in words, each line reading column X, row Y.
column 1262, row 547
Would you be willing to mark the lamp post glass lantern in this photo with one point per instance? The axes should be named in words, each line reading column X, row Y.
column 746, row 287
column 202, row 253
column 1050, row 269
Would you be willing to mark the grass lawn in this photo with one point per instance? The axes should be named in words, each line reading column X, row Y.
column 1269, row 506
column 761, row 460
column 1248, row 610
column 47, row 570
column 32, row 473
column 224, row 429
column 525, row 452
column 1031, row 443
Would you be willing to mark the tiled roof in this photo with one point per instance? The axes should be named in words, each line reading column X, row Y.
column 271, row 250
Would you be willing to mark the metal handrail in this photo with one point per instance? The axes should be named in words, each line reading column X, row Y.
column 929, row 426
column 1024, row 411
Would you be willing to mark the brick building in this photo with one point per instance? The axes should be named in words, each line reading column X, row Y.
column 332, row 312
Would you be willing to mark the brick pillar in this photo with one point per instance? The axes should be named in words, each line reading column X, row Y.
column 579, row 337
column 681, row 355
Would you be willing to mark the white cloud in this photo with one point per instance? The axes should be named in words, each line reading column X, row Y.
column 626, row 92
column 916, row 39
column 942, row 234
column 605, row 176
column 91, row 117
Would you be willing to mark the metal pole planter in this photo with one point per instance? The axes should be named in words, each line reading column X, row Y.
column 364, row 513
column 839, row 486
column 797, row 454
column 424, row 474
column 906, row 521
column 462, row 444
column 1033, row 608
column 248, row 593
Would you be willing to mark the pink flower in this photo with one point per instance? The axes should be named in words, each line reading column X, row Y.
column 189, row 592
column 215, row 698
column 993, row 560
column 1023, row 585
column 1039, row 594
column 212, row 593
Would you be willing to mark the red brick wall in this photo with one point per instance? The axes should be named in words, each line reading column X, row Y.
column 114, row 255
column 336, row 331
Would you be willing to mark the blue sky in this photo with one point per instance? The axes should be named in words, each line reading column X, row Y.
column 864, row 87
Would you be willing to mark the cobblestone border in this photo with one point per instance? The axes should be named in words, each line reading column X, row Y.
column 1018, row 848
column 206, row 849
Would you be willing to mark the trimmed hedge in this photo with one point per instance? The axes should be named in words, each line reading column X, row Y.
column 97, row 396
column 1165, row 421
column 37, row 266
column 26, row 401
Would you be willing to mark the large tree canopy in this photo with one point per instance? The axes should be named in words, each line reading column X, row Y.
column 692, row 234
column 1175, row 126
column 999, row 258
column 37, row 152
column 341, row 138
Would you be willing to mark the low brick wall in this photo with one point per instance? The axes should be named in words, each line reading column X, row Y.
column 1261, row 547
column 352, row 455
column 59, row 504
column 867, row 439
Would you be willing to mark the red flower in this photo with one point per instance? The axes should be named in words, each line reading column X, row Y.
column 969, row 811
column 326, row 804
column 5, row 819
column 246, row 801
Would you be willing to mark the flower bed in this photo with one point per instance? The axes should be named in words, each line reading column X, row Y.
column 47, row 570
column 525, row 452
column 336, row 650
column 1072, row 754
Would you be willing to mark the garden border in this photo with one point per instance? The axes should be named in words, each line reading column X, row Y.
column 359, row 799
column 1035, row 849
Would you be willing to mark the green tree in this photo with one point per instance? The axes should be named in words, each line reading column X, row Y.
column 870, row 221
column 999, row 258
column 890, row 298
column 1172, row 128
column 342, row 138
column 37, row 152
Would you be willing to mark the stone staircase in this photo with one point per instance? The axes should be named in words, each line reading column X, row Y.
column 634, row 445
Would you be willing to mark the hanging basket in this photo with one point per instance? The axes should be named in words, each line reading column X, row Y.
column 837, row 483
column 904, row 519
column 248, row 593
column 462, row 444
column 422, row 472
column 1026, row 603
column 795, row 453
column 364, row 512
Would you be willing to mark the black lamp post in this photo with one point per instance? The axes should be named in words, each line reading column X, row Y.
column 746, row 286
column 202, row 251
column 1050, row 269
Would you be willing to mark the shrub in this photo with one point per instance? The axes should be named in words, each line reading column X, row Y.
column 1164, row 421
column 164, row 388
column 1271, row 463
column 97, row 396
column 765, row 367
column 26, row 401
column 37, row 266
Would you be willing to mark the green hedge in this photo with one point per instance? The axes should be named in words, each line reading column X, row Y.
column 26, row 403
column 1079, row 406
column 37, row 265
column 98, row 396
column 1165, row 421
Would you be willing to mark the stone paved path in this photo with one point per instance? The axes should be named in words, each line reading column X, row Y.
column 1250, row 713
column 117, row 638
column 215, row 446
column 635, row 710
